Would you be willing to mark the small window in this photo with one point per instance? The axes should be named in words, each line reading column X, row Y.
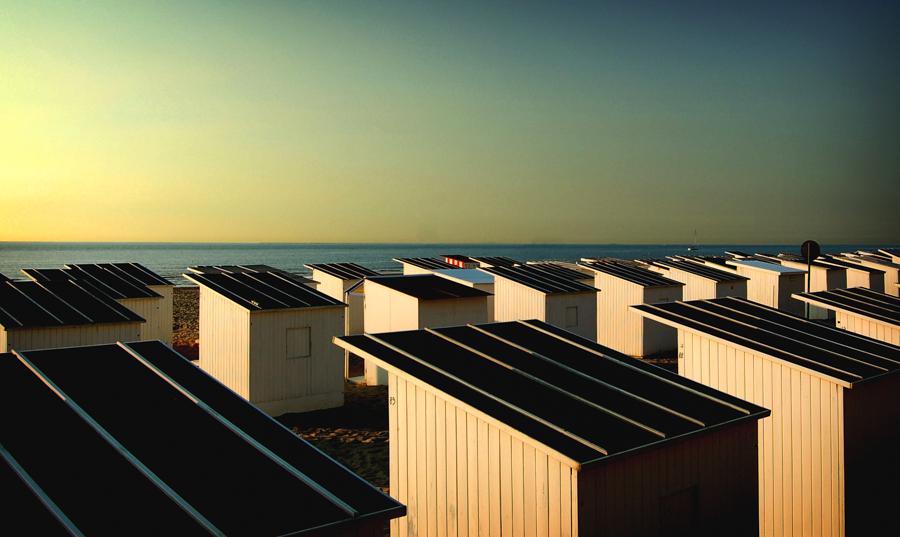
column 297, row 342
column 571, row 316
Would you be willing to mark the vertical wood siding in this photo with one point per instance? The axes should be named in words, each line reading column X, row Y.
column 587, row 313
column 280, row 384
column 24, row 339
column 151, row 309
column 891, row 275
column 225, row 341
column 773, row 289
column 386, row 311
column 859, row 278
column 515, row 302
column 621, row 328
column 801, row 455
column 452, row 312
column 868, row 327
column 166, row 313
column 460, row 475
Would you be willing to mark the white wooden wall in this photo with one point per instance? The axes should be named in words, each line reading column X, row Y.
column 279, row 384
column 868, row 327
column 462, row 474
column 624, row 496
column 801, row 455
column 225, row 341
column 891, row 275
column 869, row 280
column 621, row 328
column 166, row 312
column 774, row 289
column 150, row 308
column 587, row 312
column 412, row 269
column 24, row 339
column 329, row 285
column 386, row 311
column 515, row 302
column 452, row 312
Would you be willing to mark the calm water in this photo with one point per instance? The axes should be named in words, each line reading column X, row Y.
column 170, row 259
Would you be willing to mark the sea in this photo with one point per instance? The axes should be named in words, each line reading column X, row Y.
column 171, row 259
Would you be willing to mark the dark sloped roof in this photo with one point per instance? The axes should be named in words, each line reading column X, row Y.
column 540, row 279
column 764, row 265
column 893, row 252
column 859, row 301
column 428, row 287
column 118, row 473
column 704, row 271
column 425, row 262
column 138, row 272
column 640, row 276
column 48, row 275
column 562, row 271
column 880, row 260
column 111, row 282
column 704, row 259
column 840, row 355
column 497, row 261
column 29, row 304
column 344, row 271
column 793, row 258
column 247, row 269
column 258, row 291
column 3, row 277
column 568, row 393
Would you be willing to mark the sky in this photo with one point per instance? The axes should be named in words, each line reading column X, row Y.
column 338, row 121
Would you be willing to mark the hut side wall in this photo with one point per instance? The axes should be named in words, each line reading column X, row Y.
column 166, row 312
column 329, row 285
column 618, row 326
column 586, row 304
column 891, row 275
column 3, row 346
column 150, row 309
column 460, row 475
column 515, row 302
column 871, row 415
column 412, row 269
column 386, row 311
column 353, row 322
column 868, row 327
column 24, row 339
column 706, row 485
column 658, row 337
column 788, row 284
column 735, row 288
column 225, row 341
column 452, row 312
column 801, row 455
column 869, row 280
column 282, row 383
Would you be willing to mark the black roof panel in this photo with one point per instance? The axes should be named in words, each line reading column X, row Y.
column 633, row 274
column 541, row 279
column 425, row 262
column 111, row 282
column 497, row 261
column 344, row 271
column 859, row 301
column 705, row 271
column 428, row 287
column 140, row 273
column 30, row 304
column 263, row 290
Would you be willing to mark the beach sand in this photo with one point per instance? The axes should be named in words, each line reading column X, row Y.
column 355, row 434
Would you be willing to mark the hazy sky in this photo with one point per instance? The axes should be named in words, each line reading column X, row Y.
column 452, row 121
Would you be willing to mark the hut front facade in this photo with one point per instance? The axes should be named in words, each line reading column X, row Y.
column 422, row 265
column 891, row 270
column 529, row 292
column 830, row 443
column 395, row 303
column 124, row 412
column 620, row 328
column 700, row 281
column 267, row 337
column 861, row 311
column 476, row 279
column 858, row 275
column 772, row 284
column 486, row 439
column 821, row 277
column 52, row 314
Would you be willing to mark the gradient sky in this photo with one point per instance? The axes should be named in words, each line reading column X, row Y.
column 432, row 122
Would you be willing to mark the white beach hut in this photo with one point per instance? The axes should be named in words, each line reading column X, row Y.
column 396, row 303
column 822, row 277
column 267, row 337
column 522, row 428
column 476, row 279
column 891, row 269
column 529, row 292
column 620, row 328
column 701, row 281
column 861, row 311
column 422, row 265
column 858, row 275
column 772, row 284
column 827, row 458
column 51, row 314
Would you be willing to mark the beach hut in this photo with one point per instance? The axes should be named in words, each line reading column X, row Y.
column 569, row 271
column 50, row 314
column 892, row 253
column 267, row 337
column 620, row 328
column 396, row 303
column 472, row 278
column 422, row 265
column 460, row 261
column 528, row 292
column 138, row 289
column 858, row 275
column 821, row 277
column 495, row 261
column 827, row 460
column 891, row 269
column 522, row 428
column 772, row 284
column 337, row 280
column 94, row 444
column 701, row 281
column 861, row 311
column 252, row 269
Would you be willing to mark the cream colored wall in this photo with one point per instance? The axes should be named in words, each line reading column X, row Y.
column 891, row 275
column 225, row 341
column 460, row 474
column 151, row 309
column 24, row 339
column 328, row 284
column 412, row 269
column 773, row 289
column 736, row 288
column 788, row 284
column 623, row 497
column 621, row 328
column 867, row 327
column 3, row 346
column 279, row 384
column 801, row 455
column 386, row 311
column 166, row 312
column 859, row 278
column 452, row 312
column 354, row 322
column 514, row 302
column 587, row 313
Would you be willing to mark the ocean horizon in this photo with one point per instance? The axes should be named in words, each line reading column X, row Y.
column 170, row 259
